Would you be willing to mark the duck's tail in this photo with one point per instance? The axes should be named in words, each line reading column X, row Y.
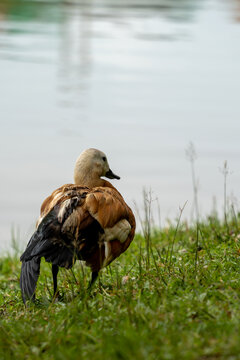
column 29, row 277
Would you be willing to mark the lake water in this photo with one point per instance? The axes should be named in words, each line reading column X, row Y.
column 136, row 79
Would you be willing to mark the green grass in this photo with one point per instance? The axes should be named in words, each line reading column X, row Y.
column 174, row 296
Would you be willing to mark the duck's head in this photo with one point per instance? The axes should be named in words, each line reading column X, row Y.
column 90, row 166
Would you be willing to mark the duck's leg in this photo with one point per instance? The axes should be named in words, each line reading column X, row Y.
column 93, row 279
column 55, row 270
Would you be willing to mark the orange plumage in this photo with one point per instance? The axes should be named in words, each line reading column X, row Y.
column 88, row 220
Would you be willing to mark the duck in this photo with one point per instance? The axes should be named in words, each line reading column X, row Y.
column 88, row 221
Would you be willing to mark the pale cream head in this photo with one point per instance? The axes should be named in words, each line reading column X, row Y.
column 90, row 166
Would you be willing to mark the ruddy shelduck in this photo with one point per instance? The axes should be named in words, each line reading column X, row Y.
column 88, row 221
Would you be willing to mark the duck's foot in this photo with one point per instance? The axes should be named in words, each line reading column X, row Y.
column 58, row 297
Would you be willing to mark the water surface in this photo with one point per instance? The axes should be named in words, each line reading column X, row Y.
column 136, row 79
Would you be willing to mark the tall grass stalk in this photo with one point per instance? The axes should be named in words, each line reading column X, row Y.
column 175, row 234
column 147, row 198
column 234, row 216
column 147, row 221
column 192, row 156
column 196, row 249
column 206, row 246
column 225, row 171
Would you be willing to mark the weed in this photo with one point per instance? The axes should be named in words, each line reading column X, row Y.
column 169, row 297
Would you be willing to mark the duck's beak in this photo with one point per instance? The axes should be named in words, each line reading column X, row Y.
column 110, row 175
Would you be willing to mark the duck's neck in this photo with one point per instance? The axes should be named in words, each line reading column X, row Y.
column 88, row 179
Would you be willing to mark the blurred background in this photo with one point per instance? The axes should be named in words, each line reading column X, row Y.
column 138, row 79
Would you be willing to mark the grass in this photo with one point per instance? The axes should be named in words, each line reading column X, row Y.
column 174, row 295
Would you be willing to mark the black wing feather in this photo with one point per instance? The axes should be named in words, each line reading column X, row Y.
column 28, row 280
column 49, row 242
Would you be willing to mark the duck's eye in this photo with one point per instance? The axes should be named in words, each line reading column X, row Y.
column 104, row 159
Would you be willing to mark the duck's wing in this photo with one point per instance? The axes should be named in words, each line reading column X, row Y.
column 103, row 216
column 78, row 219
column 107, row 206
column 58, row 196
column 100, row 228
column 52, row 239
column 109, row 209
column 50, row 242
column 92, row 225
